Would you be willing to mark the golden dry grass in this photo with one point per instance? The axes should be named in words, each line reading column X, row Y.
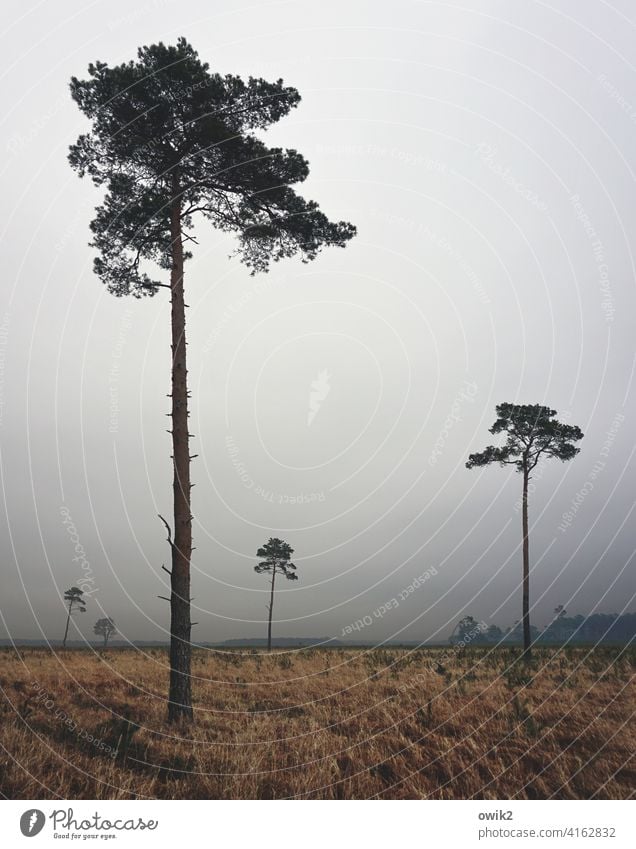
column 322, row 724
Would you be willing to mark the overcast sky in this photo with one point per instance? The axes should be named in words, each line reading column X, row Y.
column 486, row 151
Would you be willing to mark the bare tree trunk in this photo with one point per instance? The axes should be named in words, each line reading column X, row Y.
column 68, row 619
column 180, row 695
column 271, row 607
column 526, row 569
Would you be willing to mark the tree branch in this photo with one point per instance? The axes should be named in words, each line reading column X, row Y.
column 170, row 543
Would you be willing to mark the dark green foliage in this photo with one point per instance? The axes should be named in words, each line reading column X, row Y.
column 165, row 126
column 531, row 432
column 276, row 554
column 494, row 634
column 74, row 597
column 105, row 628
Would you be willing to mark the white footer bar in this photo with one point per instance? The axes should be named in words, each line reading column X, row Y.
column 301, row 824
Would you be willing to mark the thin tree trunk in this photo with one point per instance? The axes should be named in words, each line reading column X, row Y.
column 68, row 619
column 526, row 569
column 271, row 608
column 180, row 695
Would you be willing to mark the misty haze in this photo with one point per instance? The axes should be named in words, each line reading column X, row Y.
column 472, row 166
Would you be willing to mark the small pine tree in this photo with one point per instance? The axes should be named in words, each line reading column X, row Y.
column 74, row 597
column 276, row 554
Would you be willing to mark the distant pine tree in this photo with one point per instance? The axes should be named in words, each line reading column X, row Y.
column 74, row 597
column 276, row 554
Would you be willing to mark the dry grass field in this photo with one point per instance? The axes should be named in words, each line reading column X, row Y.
column 321, row 724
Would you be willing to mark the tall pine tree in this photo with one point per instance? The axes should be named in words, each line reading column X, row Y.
column 169, row 141
column 532, row 434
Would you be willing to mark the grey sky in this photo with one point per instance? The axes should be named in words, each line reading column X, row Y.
column 486, row 152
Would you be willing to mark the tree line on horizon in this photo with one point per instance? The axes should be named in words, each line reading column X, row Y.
column 594, row 628
column 578, row 628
